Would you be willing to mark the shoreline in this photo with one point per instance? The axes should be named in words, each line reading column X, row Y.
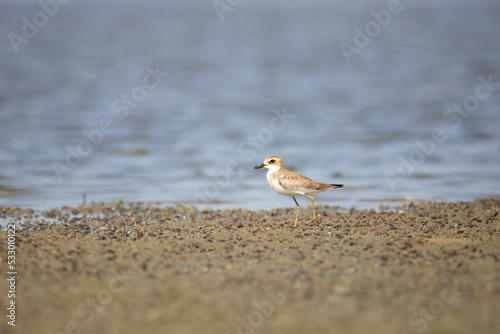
column 378, row 205
column 128, row 267
column 267, row 201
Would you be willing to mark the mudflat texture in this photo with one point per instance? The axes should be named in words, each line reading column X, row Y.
column 137, row 268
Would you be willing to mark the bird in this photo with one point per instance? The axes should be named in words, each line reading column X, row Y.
column 288, row 183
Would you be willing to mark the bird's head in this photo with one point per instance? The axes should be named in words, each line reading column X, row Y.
column 272, row 163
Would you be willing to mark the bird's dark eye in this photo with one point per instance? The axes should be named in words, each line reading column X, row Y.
column 272, row 161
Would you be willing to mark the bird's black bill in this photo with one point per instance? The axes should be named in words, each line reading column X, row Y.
column 259, row 166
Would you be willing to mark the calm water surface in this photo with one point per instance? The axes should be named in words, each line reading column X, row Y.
column 410, row 117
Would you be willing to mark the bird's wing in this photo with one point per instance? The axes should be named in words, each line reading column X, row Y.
column 292, row 180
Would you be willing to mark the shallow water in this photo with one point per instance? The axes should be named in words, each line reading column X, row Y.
column 383, row 124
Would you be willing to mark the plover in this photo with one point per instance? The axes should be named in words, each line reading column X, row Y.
column 289, row 183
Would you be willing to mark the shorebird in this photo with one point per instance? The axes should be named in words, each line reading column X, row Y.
column 289, row 183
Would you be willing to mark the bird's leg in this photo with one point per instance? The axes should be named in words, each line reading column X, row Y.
column 314, row 212
column 298, row 210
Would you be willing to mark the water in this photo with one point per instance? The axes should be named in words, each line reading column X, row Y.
column 196, row 133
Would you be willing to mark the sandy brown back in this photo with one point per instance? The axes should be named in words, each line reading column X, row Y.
column 292, row 180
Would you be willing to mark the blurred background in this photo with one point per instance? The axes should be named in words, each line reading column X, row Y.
column 346, row 92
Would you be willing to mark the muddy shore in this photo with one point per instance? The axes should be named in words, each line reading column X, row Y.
column 138, row 268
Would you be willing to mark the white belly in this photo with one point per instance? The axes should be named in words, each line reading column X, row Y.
column 274, row 183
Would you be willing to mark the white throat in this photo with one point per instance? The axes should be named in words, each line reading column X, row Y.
column 272, row 169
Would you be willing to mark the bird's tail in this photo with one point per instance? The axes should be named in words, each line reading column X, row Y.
column 327, row 186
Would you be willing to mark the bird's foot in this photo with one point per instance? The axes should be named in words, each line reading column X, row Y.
column 316, row 220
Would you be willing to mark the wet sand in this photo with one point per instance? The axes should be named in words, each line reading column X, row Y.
column 137, row 268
